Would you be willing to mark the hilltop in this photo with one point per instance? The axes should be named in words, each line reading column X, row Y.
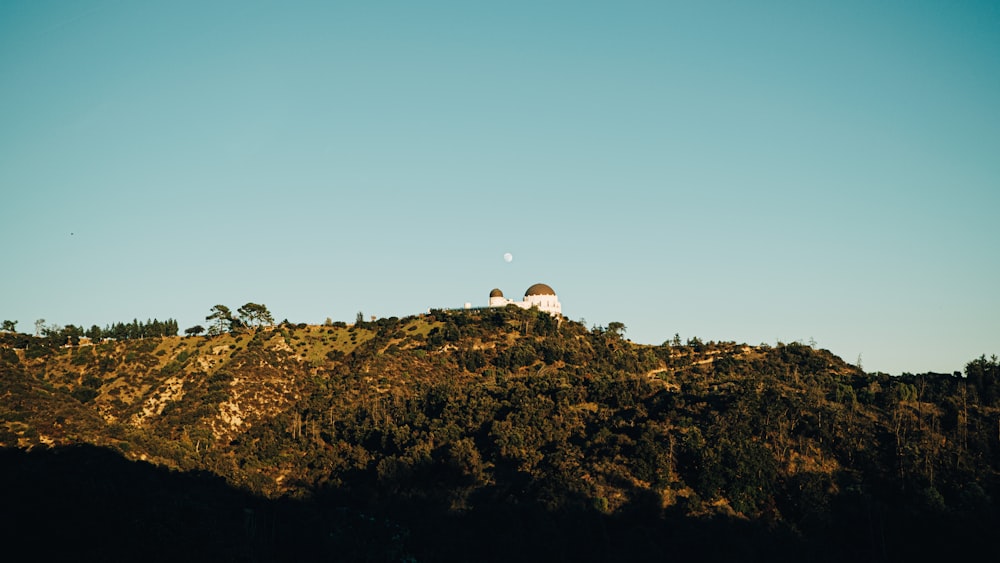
column 542, row 438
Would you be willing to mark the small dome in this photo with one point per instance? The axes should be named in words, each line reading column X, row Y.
column 496, row 293
column 539, row 289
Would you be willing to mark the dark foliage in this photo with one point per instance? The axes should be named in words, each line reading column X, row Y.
column 500, row 435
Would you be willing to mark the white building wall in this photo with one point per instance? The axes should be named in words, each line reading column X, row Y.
column 547, row 303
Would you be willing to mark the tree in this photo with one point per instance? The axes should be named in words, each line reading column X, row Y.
column 222, row 320
column 616, row 328
column 254, row 314
column 71, row 334
column 170, row 327
column 39, row 325
column 95, row 333
column 10, row 326
column 52, row 331
column 194, row 331
column 984, row 375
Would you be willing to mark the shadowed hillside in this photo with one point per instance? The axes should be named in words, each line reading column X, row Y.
column 85, row 503
column 496, row 435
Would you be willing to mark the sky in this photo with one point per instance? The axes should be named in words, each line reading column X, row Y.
column 758, row 172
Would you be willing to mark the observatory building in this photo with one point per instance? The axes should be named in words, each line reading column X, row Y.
column 539, row 295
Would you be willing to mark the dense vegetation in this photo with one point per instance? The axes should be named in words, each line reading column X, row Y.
column 71, row 334
column 495, row 435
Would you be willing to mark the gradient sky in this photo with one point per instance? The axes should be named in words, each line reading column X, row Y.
column 748, row 171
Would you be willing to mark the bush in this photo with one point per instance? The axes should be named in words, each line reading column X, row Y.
column 38, row 348
column 9, row 356
column 84, row 394
column 82, row 356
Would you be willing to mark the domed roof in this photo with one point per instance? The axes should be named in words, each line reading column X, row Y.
column 496, row 293
column 539, row 289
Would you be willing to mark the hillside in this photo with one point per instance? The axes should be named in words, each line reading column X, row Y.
column 502, row 435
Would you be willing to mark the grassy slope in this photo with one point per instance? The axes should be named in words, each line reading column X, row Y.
column 466, row 412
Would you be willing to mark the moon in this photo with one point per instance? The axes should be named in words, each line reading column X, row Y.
column 508, row 257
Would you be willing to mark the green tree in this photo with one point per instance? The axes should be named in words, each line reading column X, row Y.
column 222, row 320
column 39, row 325
column 95, row 333
column 52, row 331
column 194, row 331
column 616, row 329
column 10, row 326
column 984, row 375
column 71, row 334
column 254, row 314
column 170, row 327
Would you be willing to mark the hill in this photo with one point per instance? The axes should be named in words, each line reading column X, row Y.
column 501, row 435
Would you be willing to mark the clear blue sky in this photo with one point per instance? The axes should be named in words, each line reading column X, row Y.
column 748, row 171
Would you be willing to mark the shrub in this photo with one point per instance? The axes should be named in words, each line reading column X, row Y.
column 82, row 356
column 84, row 394
column 9, row 356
